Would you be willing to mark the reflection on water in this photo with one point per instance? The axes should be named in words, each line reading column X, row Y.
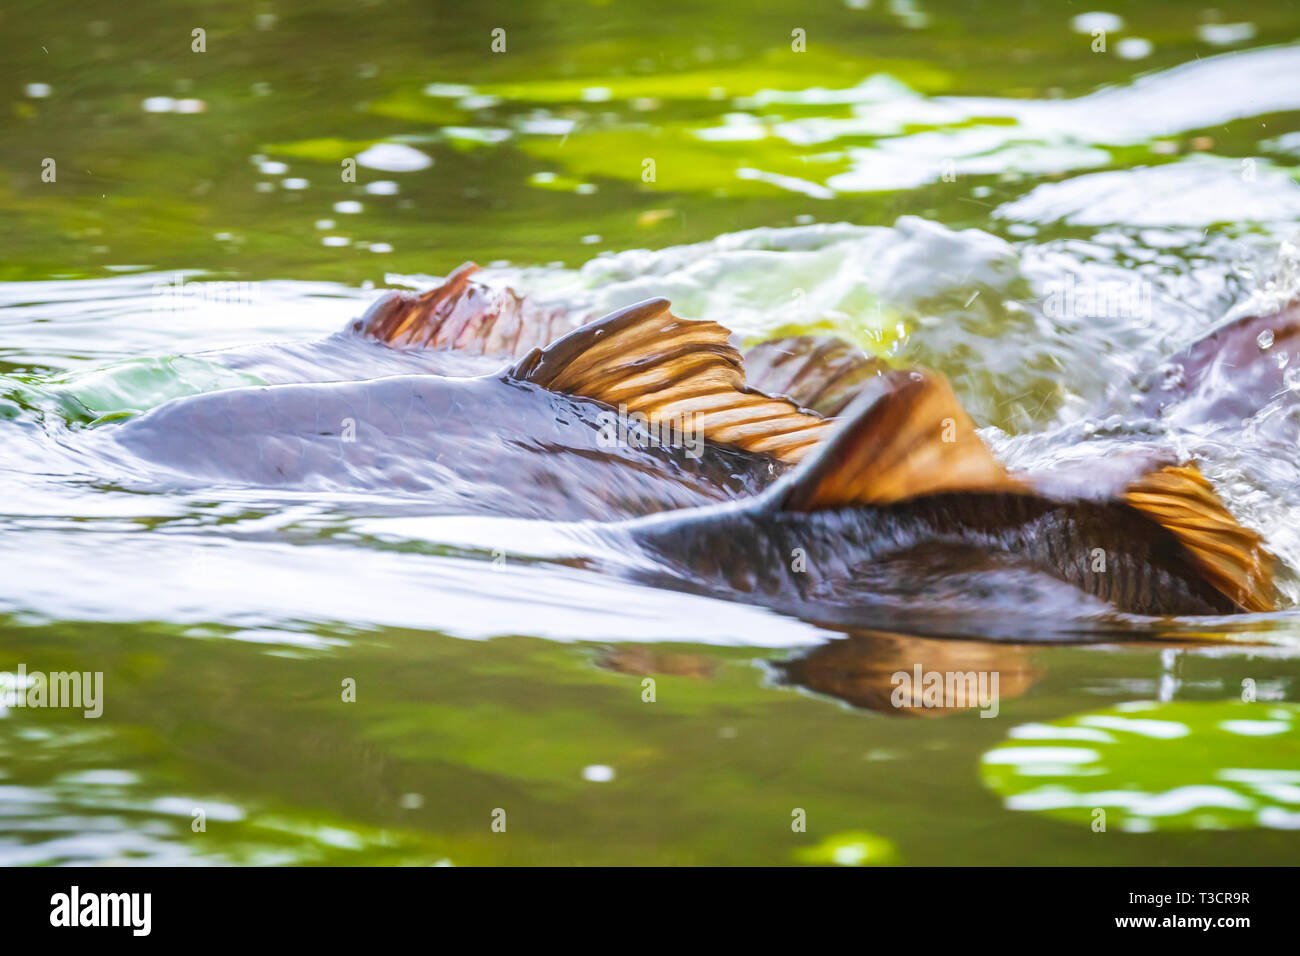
column 1214, row 765
column 913, row 190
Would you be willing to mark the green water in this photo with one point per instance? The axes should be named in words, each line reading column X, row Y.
column 229, row 627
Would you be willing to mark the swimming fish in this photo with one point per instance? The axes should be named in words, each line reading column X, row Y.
column 893, row 504
column 902, row 487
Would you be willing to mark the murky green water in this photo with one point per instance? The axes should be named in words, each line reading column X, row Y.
column 918, row 179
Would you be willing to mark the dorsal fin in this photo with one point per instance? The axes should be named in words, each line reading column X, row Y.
column 905, row 436
column 672, row 370
column 1231, row 557
column 464, row 315
column 823, row 373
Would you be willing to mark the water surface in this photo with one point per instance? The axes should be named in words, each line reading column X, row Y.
column 922, row 180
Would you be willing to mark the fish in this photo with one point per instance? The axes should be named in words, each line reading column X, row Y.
column 539, row 437
column 902, row 494
column 883, row 502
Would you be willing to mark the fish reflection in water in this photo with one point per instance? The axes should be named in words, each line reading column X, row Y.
column 892, row 508
column 906, row 676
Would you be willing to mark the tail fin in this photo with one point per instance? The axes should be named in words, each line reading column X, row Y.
column 671, row 369
column 1229, row 556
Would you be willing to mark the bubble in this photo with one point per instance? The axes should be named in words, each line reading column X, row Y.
column 159, row 104
column 1265, row 340
column 37, row 91
column 590, row 240
column 412, row 801
column 598, row 773
column 272, row 167
column 348, row 206
column 382, row 187
column 295, row 182
column 324, row 224
column 380, row 247
column 335, row 241
column 191, row 106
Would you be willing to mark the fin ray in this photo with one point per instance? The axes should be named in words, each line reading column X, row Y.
column 672, row 369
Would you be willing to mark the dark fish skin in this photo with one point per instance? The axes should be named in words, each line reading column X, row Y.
column 488, row 445
column 919, row 553
column 1227, row 376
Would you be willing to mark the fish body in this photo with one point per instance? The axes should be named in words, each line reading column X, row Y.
column 486, row 445
column 989, row 553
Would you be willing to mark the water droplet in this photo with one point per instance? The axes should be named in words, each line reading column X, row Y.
column 1265, row 340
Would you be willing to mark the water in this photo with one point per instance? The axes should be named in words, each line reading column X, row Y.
column 926, row 194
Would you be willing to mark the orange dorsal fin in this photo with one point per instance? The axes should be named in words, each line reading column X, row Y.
column 823, row 373
column 905, row 436
column 673, row 370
